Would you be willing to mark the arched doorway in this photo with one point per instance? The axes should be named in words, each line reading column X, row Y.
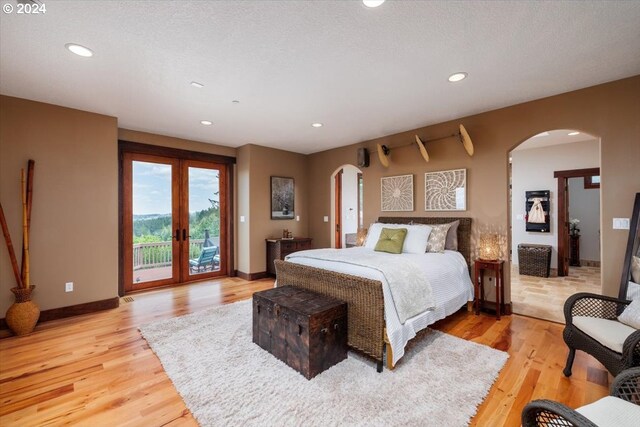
column 346, row 205
column 555, row 172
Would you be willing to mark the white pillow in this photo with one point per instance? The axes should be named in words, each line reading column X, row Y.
column 414, row 243
column 631, row 315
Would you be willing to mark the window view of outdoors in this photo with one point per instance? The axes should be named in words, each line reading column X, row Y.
column 152, row 221
column 204, row 220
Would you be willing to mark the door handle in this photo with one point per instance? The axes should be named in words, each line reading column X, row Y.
column 184, row 234
column 178, row 234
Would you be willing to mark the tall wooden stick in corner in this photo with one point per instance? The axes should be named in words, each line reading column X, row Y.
column 12, row 254
column 25, row 234
column 30, row 168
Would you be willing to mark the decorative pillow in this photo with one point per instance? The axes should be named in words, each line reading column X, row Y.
column 391, row 240
column 438, row 237
column 635, row 269
column 631, row 315
column 452, row 236
column 417, row 239
column 414, row 243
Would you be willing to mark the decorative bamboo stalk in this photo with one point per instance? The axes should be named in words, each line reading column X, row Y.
column 25, row 233
column 30, row 169
column 12, row 254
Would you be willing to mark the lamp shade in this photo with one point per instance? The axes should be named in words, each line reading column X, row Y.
column 361, row 236
column 489, row 247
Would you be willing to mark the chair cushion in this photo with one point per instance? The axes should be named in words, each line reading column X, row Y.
column 609, row 333
column 611, row 412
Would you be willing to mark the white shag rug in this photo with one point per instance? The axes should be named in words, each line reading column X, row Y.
column 227, row 380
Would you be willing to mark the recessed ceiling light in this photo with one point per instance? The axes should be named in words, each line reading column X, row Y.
column 372, row 3
column 196, row 84
column 456, row 77
column 206, row 122
column 79, row 50
column 574, row 133
column 316, row 125
column 541, row 134
column 235, row 101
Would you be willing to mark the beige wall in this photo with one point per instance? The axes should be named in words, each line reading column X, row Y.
column 74, row 222
column 168, row 141
column 610, row 111
column 256, row 164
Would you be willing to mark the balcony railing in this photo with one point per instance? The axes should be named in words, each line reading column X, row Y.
column 158, row 254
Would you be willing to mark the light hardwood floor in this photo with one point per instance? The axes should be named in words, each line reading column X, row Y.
column 544, row 297
column 97, row 370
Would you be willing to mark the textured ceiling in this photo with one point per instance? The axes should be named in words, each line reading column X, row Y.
column 362, row 72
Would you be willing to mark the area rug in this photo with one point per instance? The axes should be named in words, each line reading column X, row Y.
column 226, row 380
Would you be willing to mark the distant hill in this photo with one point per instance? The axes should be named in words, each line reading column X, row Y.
column 149, row 216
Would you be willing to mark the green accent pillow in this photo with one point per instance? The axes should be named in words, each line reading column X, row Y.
column 391, row 240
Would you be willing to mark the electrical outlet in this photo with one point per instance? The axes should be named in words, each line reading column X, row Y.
column 326, row 219
column 242, row 218
column 68, row 287
column 297, row 217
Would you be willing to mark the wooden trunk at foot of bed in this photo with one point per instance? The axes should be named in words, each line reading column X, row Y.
column 364, row 298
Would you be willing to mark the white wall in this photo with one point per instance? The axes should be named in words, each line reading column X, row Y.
column 532, row 169
column 584, row 204
column 349, row 201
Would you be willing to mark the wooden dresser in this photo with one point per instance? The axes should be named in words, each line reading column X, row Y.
column 280, row 248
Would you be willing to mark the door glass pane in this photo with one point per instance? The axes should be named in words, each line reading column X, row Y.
column 152, row 222
column 204, row 220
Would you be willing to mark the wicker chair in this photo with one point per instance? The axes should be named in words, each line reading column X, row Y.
column 602, row 307
column 548, row 413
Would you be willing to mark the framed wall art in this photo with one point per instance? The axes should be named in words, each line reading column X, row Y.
column 445, row 190
column 282, row 198
column 397, row 193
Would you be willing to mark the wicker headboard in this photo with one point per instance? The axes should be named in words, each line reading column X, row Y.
column 464, row 229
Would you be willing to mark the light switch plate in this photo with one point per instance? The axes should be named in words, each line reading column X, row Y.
column 620, row 223
column 241, row 218
column 68, row 287
column 326, row 219
column 297, row 217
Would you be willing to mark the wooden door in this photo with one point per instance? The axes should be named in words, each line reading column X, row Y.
column 203, row 219
column 151, row 223
column 174, row 220
column 338, row 208
column 563, row 212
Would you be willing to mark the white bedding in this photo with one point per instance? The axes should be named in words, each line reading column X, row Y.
column 409, row 286
column 447, row 272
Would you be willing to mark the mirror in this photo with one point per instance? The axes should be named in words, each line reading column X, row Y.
column 630, row 282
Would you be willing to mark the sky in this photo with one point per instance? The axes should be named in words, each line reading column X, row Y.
column 152, row 188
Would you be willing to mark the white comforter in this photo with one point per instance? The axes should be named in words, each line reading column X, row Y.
column 408, row 284
column 450, row 282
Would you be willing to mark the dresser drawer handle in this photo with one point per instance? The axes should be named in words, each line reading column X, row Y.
column 299, row 329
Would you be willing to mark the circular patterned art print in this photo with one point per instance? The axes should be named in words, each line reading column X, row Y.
column 445, row 191
column 397, row 193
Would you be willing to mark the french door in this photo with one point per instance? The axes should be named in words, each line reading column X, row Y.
column 174, row 220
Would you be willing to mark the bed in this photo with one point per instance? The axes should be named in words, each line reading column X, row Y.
column 370, row 331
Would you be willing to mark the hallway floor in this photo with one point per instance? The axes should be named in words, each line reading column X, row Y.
column 544, row 297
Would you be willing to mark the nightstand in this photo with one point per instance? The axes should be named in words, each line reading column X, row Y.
column 497, row 268
column 280, row 248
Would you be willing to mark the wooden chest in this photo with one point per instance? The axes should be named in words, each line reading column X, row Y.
column 304, row 329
